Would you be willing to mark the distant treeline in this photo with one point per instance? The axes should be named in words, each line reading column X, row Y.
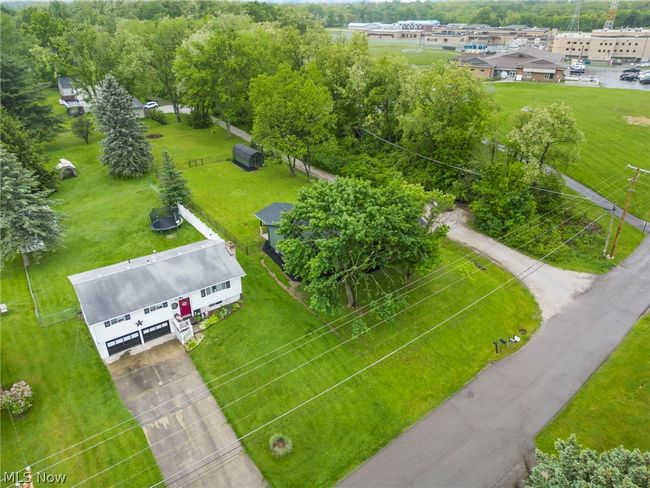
column 553, row 14
column 497, row 13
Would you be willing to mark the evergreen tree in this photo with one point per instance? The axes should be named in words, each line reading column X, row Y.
column 126, row 151
column 27, row 222
column 173, row 186
column 22, row 97
column 16, row 139
column 576, row 465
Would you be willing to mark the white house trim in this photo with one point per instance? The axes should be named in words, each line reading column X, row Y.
column 130, row 296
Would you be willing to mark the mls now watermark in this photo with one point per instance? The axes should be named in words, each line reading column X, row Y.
column 23, row 478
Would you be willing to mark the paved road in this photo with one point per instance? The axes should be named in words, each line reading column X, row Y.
column 481, row 436
column 599, row 200
column 183, row 431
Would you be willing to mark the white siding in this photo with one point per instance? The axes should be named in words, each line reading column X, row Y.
column 101, row 334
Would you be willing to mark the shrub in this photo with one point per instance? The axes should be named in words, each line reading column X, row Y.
column 198, row 120
column 158, row 116
column 280, row 445
column 18, row 399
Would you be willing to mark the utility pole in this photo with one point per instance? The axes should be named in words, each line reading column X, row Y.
column 609, row 230
column 628, row 199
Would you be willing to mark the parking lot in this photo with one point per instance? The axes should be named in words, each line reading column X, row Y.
column 609, row 77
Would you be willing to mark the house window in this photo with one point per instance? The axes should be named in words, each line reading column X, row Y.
column 215, row 288
column 117, row 320
column 158, row 306
column 212, row 305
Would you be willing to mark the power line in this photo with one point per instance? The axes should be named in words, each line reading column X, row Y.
column 311, row 360
column 422, row 278
column 380, row 360
column 143, row 450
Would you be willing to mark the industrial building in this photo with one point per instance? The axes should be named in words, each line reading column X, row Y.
column 604, row 45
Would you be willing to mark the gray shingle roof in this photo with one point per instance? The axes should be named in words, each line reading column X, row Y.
column 126, row 287
column 271, row 215
column 530, row 57
column 65, row 82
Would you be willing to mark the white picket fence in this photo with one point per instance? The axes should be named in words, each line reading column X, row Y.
column 198, row 224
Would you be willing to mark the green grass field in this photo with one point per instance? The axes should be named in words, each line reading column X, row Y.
column 415, row 55
column 611, row 142
column 344, row 428
column 612, row 407
column 106, row 222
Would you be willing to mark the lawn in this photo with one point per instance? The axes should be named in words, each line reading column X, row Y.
column 347, row 426
column 612, row 407
column 611, row 142
column 415, row 54
column 106, row 222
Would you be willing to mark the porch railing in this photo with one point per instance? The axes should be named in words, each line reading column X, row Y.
column 182, row 329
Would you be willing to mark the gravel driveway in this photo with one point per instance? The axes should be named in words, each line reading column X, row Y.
column 553, row 288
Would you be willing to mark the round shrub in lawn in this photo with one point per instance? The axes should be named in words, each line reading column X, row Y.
column 18, row 399
column 280, row 445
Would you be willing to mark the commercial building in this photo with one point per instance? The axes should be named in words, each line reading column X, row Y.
column 528, row 64
column 604, row 45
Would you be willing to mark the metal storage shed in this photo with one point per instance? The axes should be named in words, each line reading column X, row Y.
column 247, row 157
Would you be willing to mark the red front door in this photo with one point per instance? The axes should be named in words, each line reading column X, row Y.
column 185, row 307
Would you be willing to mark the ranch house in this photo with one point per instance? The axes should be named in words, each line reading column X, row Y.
column 144, row 301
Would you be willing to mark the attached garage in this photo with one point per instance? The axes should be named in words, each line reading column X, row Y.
column 123, row 343
column 155, row 331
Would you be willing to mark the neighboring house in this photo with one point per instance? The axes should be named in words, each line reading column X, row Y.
column 86, row 104
column 66, row 90
column 138, row 108
column 269, row 218
column 525, row 64
column 130, row 304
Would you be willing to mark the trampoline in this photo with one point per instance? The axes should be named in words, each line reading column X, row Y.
column 164, row 219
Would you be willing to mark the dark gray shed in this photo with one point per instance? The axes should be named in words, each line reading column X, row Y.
column 247, row 157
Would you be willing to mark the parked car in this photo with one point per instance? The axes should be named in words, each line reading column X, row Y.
column 151, row 105
column 644, row 80
column 631, row 70
column 629, row 76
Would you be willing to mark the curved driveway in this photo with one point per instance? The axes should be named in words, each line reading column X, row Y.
column 484, row 434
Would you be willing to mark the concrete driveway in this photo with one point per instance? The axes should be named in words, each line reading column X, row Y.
column 188, row 425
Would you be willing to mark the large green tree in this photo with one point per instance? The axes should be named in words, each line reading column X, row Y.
column 446, row 119
column 291, row 115
column 16, row 139
column 154, row 43
column 338, row 234
column 27, row 222
column 546, row 135
column 216, row 64
column 84, row 52
column 21, row 95
column 503, row 198
column 577, row 466
column 126, row 151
